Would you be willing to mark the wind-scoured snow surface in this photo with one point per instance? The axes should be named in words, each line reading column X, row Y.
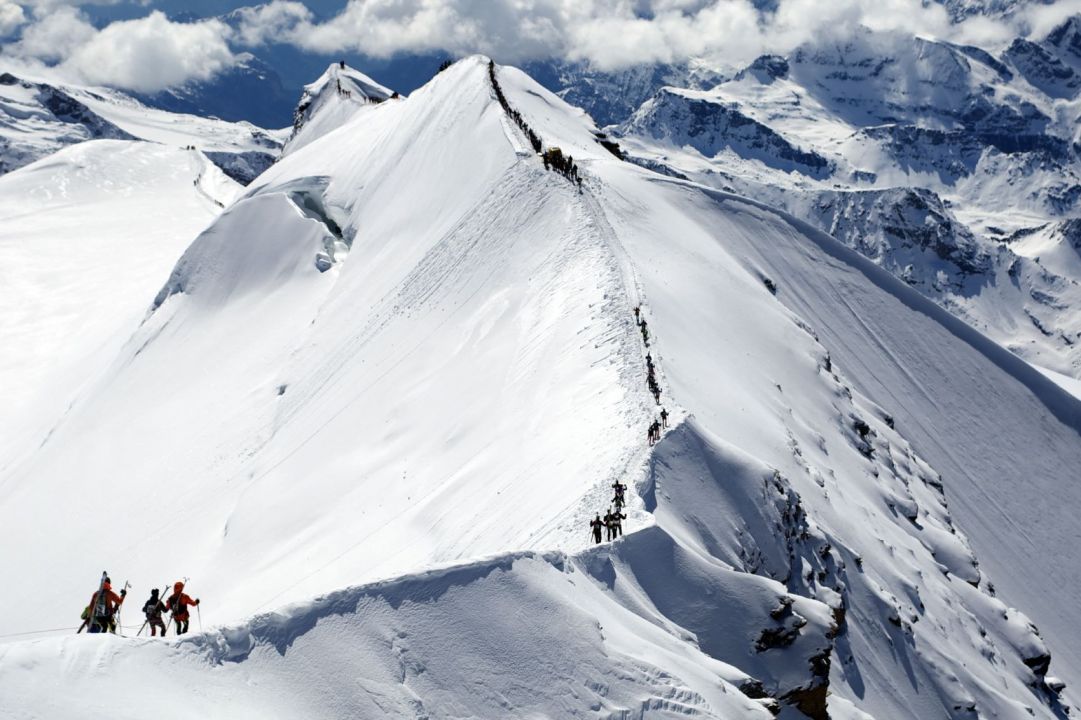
column 406, row 364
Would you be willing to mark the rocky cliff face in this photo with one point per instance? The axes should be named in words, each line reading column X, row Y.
column 681, row 119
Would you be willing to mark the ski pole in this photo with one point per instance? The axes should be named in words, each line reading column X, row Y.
column 199, row 613
column 123, row 596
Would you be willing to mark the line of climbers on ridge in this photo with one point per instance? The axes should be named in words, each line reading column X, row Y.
column 613, row 521
column 367, row 98
column 553, row 157
column 103, row 613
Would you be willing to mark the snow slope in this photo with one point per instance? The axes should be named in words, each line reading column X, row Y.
column 409, row 347
column 85, row 236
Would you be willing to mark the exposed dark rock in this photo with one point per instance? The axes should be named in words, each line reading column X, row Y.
column 811, row 701
column 1042, row 69
column 1039, row 664
column 765, row 69
column 710, row 127
column 753, row 689
column 242, row 166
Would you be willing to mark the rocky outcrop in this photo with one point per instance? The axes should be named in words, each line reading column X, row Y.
column 710, row 127
column 765, row 69
column 896, row 227
column 1043, row 69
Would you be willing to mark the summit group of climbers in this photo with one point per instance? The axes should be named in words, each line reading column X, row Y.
column 103, row 613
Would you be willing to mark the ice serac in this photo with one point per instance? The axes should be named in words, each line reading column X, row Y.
column 406, row 364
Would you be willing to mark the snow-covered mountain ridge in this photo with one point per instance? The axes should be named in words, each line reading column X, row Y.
column 40, row 117
column 409, row 345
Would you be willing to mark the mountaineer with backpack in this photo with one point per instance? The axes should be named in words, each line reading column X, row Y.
column 178, row 604
column 103, row 606
column 153, row 608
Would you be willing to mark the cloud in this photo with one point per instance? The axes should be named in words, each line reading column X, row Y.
column 152, row 53
column 611, row 33
column 11, row 17
column 270, row 22
column 146, row 54
column 54, row 35
column 1039, row 20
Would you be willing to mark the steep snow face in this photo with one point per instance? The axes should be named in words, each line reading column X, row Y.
column 39, row 117
column 85, row 237
column 924, row 156
column 331, row 101
column 411, row 345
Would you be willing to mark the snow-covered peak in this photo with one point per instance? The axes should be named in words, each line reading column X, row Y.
column 1067, row 39
column 329, row 102
column 765, row 69
column 346, row 81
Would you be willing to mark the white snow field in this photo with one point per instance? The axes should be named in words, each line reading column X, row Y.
column 85, row 236
column 405, row 363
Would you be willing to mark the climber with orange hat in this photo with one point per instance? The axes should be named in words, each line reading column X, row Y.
column 103, row 605
column 178, row 604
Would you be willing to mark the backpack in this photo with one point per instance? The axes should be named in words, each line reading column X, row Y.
column 101, row 605
column 152, row 608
